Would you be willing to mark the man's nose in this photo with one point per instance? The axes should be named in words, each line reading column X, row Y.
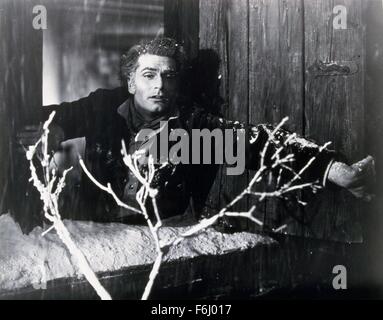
column 159, row 83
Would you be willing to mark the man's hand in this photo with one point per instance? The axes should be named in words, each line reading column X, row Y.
column 32, row 133
column 28, row 136
column 354, row 178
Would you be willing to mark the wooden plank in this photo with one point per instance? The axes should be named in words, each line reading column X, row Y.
column 23, row 95
column 4, row 120
column 276, row 82
column 236, row 29
column 223, row 43
column 238, row 82
column 334, row 108
column 181, row 22
column 171, row 18
column 374, row 131
column 213, row 43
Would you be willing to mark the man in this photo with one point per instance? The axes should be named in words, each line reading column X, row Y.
column 151, row 74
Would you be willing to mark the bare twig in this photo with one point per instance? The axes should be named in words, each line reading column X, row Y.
column 146, row 190
column 50, row 197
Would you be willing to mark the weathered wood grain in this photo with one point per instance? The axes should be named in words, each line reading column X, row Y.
column 22, row 89
column 181, row 22
column 276, row 81
column 334, row 109
column 238, row 80
column 213, row 39
column 283, row 44
column 373, row 221
column 4, row 120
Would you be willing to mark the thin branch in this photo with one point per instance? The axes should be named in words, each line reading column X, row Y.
column 107, row 188
column 146, row 190
column 51, row 212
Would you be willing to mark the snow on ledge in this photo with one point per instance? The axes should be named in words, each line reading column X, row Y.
column 28, row 259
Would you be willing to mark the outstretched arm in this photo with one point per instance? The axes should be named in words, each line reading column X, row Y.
column 74, row 119
column 324, row 163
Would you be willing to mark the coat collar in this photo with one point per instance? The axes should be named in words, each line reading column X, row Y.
column 134, row 119
column 123, row 109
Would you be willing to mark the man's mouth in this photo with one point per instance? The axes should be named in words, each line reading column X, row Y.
column 158, row 98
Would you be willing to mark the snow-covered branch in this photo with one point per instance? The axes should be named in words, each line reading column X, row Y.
column 49, row 194
column 278, row 163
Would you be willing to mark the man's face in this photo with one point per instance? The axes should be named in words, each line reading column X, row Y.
column 154, row 84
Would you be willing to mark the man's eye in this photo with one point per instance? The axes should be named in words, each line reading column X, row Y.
column 149, row 75
column 170, row 75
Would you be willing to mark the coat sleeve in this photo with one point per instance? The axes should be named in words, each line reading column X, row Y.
column 81, row 117
column 308, row 159
column 281, row 142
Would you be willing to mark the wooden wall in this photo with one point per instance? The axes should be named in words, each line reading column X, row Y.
column 20, row 96
column 284, row 58
column 374, row 132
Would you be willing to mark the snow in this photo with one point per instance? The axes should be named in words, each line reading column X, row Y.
column 29, row 259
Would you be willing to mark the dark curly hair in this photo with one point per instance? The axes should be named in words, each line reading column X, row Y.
column 166, row 47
